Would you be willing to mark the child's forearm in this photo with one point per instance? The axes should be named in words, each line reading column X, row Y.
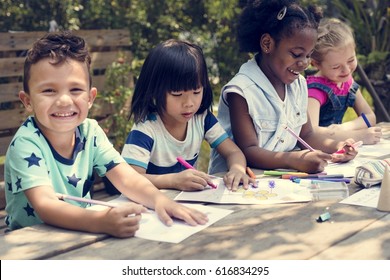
column 237, row 161
column 163, row 181
column 263, row 159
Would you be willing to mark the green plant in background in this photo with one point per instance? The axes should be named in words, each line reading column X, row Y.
column 116, row 94
column 370, row 21
column 350, row 114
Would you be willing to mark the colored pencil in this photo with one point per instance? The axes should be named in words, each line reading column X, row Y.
column 299, row 138
column 86, row 200
column 250, row 173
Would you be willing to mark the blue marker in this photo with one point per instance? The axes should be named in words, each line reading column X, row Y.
column 319, row 180
column 366, row 120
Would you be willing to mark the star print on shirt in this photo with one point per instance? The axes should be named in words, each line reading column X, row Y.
column 9, row 186
column 27, row 122
column 110, row 165
column 29, row 210
column 33, row 160
column 38, row 132
column 18, row 184
column 73, row 180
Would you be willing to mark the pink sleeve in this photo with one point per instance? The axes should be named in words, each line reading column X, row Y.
column 318, row 94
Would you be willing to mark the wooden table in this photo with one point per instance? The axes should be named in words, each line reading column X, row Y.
column 268, row 232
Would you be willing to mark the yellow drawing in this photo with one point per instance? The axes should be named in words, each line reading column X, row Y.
column 256, row 193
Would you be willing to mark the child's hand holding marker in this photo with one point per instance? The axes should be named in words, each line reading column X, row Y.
column 194, row 179
column 348, row 152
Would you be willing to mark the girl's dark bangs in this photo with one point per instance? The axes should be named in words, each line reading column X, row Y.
column 187, row 75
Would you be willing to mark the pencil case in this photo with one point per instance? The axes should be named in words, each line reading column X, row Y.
column 371, row 173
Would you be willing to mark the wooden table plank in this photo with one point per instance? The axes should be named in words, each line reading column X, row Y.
column 272, row 232
column 373, row 243
column 42, row 242
column 283, row 231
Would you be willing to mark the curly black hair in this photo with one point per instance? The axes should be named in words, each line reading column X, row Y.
column 279, row 18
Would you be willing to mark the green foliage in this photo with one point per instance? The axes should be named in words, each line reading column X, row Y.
column 350, row 114
column 370, row 21
column 24, row 15
column 117, row 94
column 210, row 23
column 204, row 157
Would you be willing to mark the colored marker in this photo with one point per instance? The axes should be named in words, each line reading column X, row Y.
column 189, row 166
column 321, row 180
column 323, row 217
column 250, row 173
column 299, row 138
column 280, row 173
column 312, row 176
column 366, row 120
column 86, row 200
column 297, row 175
column 354, row 145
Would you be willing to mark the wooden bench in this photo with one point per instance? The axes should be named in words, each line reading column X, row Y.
column 105, row 46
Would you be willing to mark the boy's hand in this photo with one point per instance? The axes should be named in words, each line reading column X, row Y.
column 122, row 221
column 167, row 208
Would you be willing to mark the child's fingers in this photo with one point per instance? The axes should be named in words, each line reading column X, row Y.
column 165, row 218
column 132, row 208
column 192, row 216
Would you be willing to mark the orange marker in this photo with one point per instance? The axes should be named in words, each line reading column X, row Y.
column 250, row 173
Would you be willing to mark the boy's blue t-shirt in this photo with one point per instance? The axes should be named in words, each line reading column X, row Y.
column 31, row 161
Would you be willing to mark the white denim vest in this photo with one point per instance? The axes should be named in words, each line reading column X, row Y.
column 268, row 112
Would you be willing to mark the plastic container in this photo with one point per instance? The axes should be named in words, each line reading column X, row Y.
column 329, row 191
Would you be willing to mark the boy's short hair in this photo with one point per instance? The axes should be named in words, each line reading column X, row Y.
column 59, row 47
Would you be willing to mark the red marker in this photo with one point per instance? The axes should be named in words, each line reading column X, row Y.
column 354, row 145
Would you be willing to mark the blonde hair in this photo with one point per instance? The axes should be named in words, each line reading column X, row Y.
column 332, row 33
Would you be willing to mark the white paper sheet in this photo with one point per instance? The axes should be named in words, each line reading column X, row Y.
column 365, row 153
column 345, row 168
column 284, row 191
column 365, row 197
column 152, row 228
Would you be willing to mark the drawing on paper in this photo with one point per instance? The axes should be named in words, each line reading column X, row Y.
column 268, row 191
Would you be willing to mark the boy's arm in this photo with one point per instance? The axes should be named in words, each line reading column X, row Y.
column 139, row 189
column 161, row 181
column 114, row 221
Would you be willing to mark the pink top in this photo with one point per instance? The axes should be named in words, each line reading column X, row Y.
column 320, row 95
